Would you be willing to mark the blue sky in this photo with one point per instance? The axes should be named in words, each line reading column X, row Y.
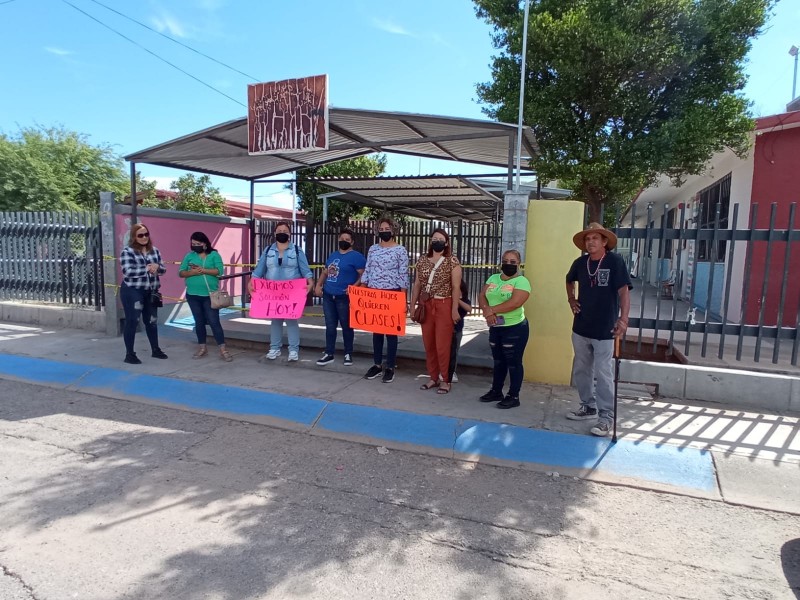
column 61, row 67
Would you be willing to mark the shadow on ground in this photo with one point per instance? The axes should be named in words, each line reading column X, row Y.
column 253, row 510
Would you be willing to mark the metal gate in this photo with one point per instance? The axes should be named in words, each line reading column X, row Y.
column 51, row 257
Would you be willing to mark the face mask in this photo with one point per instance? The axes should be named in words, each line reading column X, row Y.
column 343, row 245
column 437, row 246
column 198, row 249
column 282, row 237
column 509, row 270
column 385, row 235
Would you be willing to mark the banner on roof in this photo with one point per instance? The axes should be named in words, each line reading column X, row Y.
column 287, row 116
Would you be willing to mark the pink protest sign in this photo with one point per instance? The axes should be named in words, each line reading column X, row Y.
column 278, row 299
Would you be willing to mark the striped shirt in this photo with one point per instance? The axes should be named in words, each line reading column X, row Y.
column 134, row 268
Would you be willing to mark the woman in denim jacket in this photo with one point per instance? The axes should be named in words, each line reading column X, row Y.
column 281, row 261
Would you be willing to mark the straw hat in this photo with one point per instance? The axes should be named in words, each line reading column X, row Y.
column 578, row 238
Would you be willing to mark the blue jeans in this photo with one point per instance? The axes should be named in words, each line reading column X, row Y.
column 137, row 304
column 205, row 315
column 337, row 311
column 508, row 345
column 276, row 334
column 458, row 334
column 391, row 349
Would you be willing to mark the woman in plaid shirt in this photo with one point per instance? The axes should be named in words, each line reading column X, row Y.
column 141, row 266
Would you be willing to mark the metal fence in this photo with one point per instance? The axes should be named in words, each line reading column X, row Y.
column 476, row 244
column 725, row 284
column 51, row 257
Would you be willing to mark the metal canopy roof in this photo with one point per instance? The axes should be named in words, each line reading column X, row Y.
column 222, row 150
column 443, row 197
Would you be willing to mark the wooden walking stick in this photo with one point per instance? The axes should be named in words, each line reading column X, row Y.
column 616, row 385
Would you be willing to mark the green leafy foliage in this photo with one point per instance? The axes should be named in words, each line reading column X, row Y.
column 145, row 191
column 620, row 91
column 52, row 168
column 339, row 212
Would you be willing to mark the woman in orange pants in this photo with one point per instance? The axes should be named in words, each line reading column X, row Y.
column 438, row 276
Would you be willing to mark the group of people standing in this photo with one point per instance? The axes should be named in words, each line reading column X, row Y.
column 600, row 307
column 439, row 285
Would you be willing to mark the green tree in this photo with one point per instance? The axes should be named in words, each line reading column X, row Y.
column 339, row 212
column 620, row 91
column 194, row 194
column 51, row 168
column 146, row 190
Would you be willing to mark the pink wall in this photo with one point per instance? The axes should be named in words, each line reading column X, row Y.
column 776, row 178
column 171, row 236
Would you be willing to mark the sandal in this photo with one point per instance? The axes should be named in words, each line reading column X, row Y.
column 225, row 355
column 429, row 385
column 201, row 352
column 444, row 390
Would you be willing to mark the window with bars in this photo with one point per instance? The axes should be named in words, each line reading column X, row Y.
column 719, row 193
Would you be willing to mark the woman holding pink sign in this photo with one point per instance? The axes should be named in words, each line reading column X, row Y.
column 281, row 261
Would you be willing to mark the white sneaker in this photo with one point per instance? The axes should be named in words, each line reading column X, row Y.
column 293, row 356
column 455, row 378
column 273, row 354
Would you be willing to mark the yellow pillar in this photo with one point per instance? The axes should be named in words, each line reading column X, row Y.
column 549, row 253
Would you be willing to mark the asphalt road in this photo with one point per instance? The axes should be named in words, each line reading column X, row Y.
column 104, row 499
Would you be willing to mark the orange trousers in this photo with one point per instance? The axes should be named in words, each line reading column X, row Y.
column 437, row 336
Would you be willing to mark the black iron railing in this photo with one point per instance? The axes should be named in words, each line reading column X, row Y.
column 51, row 257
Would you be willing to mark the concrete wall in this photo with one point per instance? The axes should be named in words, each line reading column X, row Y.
column 171, row 230
column 776, row 179
column 741, row 189
column 550, row 252
column 53, row 316
column 730, row 387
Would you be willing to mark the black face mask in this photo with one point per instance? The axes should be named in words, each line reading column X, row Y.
column 509, row 270
column 282, row 237
column 385, row 235
column 343, row 245
column 198, row 249
column 437, row 246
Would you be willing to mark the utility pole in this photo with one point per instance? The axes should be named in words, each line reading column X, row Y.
column 522, row 92
column 515, row 202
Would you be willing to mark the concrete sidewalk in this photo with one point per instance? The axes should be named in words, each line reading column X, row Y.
column 254, row 333
column 700, row 450
column 744, row 384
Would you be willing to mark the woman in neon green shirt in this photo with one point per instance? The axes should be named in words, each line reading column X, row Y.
column 201, row 269
column 502, row 299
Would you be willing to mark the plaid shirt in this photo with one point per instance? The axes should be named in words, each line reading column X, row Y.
column 134, row 268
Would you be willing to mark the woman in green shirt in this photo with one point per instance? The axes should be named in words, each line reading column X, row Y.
column 501, row 300
column 201, row 269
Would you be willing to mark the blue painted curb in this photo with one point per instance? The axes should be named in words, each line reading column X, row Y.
column 661, row 463
column 192, row 394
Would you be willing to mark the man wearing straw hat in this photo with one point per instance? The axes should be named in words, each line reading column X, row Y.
column 601, row 314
